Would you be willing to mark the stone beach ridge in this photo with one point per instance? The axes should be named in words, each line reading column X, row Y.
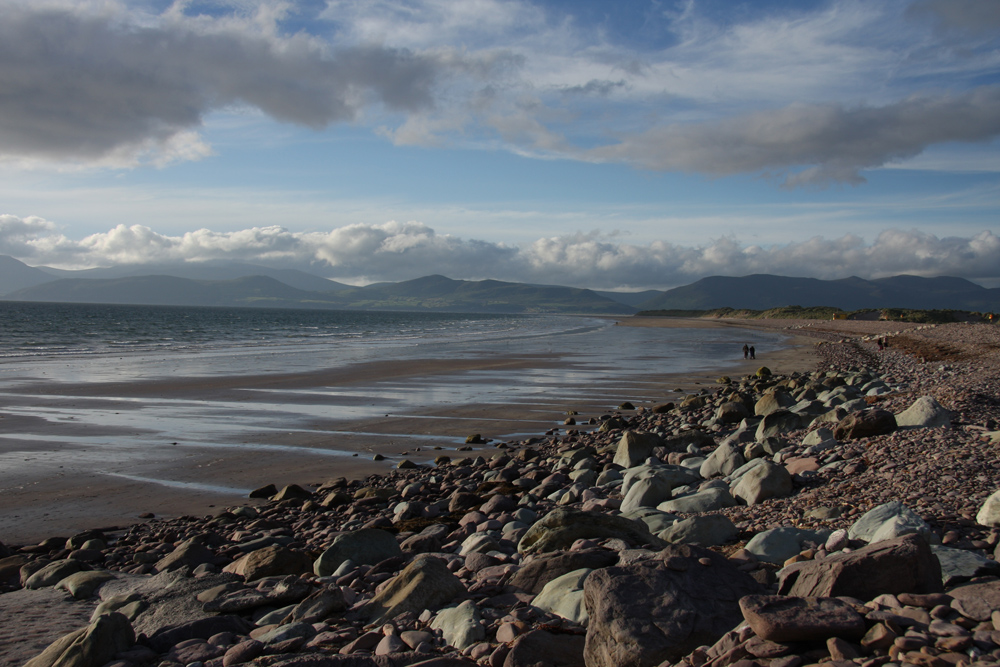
column 847, row 515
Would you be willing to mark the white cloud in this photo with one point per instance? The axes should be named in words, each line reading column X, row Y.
column 823, row 92
column 401, row 251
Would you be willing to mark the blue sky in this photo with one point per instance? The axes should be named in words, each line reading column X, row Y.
column 619, row 145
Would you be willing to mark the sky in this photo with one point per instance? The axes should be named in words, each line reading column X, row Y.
column 611, row 145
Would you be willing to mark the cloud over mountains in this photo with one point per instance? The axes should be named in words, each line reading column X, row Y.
column 401, row 251
column 816, row 96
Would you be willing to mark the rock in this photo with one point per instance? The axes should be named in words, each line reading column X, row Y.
column 460, row 626
column 888, row 521
column 771, row 402
column 924, row 413
column 202, row 628
column 318, row 606
column 292, row 492
column 10, row 569
column 864, row 424
column 243, row 652
column 723, row 461
column 765, row 481
column 93, row 646
column 543, row 568
column 82, row 585
column 976, row 600
column 778, row 422
column 431, row 538
column 563, row 596
column 654, row 611
column 709, row 500
column 779, row 544
column 188, row 554
column 783, row 619
column 960, row 565
column 283, row 633
column 53, row 573
column 989, row 513
column 903, row 565
column 635, row 447
column 272, row 561
column 540, row 648
column 707, row 531
column 426, row 583
column 366, row 546
column 687, row 439
column 731, row 412
column 654, row 487
column 560, row 528
column 264, row 492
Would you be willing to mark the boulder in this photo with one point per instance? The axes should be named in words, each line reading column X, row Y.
column 772, row 401
column 635, row 447
column 779, row 544
column 961, row 565
column 271, row 561
column 778, row 422
column 924, row 413
column 367, row 546
column 543, row 568
column 687, row 439
column 865, row 424
column 651, row 490
column 781, row 619
column 977, row 601
column 723, row 461
column 563, row 596
column 706, row 530
column 763, row 482
column 540, row 648
column 709, row 500
column 291, row 492
column 560, row 528
column 903, row 565
column 989, row 513
column 53, row 573
column 318, row 606
column 660, row 610
column 93, row 646
column 426, row 583
column 889, row 521
column 460, row 626
column 83, row 585
column 731, row 412
column 188, row 554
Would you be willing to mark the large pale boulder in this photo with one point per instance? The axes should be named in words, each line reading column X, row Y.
column 779, row 544
column 989, row 513
column 772, row 401
column 706, row 530
column 924, row 413
column 709, row 500
column 763, row 482
column 563, row 596
column 426, row 583
column 271, row 561
column 635, row 447
column 654, row 488
column 726, row 458
column 93, row 646
column 460, row 626
column 889, row 521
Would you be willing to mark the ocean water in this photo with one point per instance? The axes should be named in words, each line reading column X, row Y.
column 167, row 395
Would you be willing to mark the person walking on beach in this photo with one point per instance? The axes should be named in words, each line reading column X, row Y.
column 746, row 351
column 753, row 352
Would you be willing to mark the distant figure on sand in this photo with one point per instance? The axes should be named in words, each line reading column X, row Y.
column 746, row 351
column 753, row 353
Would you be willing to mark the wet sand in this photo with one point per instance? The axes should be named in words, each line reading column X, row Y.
column 78, row 455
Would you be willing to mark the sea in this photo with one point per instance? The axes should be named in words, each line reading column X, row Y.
column 76, row 397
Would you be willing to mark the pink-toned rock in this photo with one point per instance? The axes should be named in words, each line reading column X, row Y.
column 778, row 618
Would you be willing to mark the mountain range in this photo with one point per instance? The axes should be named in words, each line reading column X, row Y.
column 235, row 284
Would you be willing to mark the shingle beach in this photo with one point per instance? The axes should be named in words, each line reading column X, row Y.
column 842, row 514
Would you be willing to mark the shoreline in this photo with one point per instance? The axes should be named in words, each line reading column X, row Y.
column 49, row 498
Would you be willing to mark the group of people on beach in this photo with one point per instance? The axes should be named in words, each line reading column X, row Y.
column 749, row 352
column 883, row 343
